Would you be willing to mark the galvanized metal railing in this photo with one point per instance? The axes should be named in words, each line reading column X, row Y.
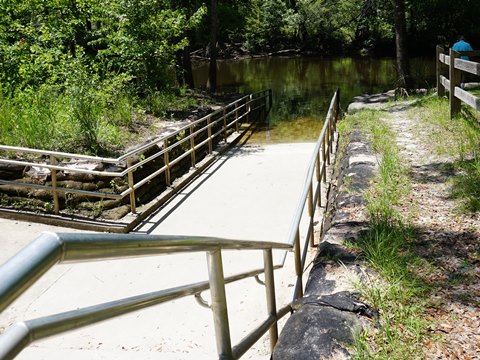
column 213, row 127
column 312, row 193
column 27, row 266
column 32, row 262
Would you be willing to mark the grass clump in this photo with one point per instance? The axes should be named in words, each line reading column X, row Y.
column 397, row 294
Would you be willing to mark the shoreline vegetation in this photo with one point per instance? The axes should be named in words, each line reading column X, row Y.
column 95, row 125
column 423, row 231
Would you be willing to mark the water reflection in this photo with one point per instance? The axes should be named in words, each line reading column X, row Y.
column 302, row 87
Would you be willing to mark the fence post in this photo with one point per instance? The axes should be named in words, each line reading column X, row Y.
column 166, row 161
column 219, row 304
column 440, row 87
column 209, row 131
column 311, row 214
column 53, row 172
column 319, row 179
column 324, row 160
column 270, row 289
column 224, row 125
column 455, row 80
column 237, row 125
column 192, row 145
column 133, row 208
column 298, row 266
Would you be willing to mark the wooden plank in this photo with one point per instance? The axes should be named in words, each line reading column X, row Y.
column 467, row 98
column 445, row 59
column 471, row 67
column 445, row 82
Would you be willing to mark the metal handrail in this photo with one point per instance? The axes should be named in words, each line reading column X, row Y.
column 238, row 110
column 311, row 194
column 33, row 261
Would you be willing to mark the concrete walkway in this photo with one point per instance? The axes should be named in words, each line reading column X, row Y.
column 250, row 193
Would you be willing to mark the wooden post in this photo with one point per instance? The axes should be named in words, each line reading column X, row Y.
column 455, row 80
column 440, row 88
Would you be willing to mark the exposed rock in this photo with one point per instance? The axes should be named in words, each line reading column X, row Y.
column 316, row 332
column 376, row 101
column 116, row 213
column 329, row 313
column 11, row 171
column 36, row 174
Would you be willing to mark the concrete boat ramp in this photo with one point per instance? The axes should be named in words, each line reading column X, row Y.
column 250, row 193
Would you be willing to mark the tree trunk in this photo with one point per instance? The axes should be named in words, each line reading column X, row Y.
column 212, row 73
column 403, row 66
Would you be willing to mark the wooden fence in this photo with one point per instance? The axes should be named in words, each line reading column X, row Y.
column 451, row 72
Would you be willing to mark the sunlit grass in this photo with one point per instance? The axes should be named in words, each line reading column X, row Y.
column 81, row 119
column 459, row 138
column 385, row 246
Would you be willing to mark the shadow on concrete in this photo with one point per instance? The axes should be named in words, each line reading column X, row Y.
column 241, row 150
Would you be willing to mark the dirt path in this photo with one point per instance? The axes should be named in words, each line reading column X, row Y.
column 448, row 241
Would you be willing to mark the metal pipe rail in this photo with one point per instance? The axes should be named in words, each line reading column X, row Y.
column 214, row 125
column 33, row 261
column 311, row 194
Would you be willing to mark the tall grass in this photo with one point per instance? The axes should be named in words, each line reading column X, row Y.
column 397, row 294
column 34, row 119
column 83, row 117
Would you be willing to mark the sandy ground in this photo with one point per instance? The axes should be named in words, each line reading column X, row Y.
column 264, row 184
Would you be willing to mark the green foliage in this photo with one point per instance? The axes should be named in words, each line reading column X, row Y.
column 165, row 103
column 271, row 25
column 41, row 42
column 72, row 71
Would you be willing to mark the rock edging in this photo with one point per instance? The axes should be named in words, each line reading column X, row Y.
column 324, row 321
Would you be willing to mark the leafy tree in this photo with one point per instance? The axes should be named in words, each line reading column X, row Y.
column 271, row 25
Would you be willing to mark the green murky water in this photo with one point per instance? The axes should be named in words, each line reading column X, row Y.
column 303, row 87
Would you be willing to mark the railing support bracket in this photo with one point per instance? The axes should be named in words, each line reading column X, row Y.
column 201, row 301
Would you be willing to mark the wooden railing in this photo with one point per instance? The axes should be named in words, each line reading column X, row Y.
column 457, row 70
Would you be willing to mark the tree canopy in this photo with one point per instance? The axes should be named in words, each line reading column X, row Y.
column 139, row 43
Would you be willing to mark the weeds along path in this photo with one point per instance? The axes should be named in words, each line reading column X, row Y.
column 447, row 241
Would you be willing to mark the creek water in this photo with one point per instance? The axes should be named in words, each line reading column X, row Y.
column 303, row 87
